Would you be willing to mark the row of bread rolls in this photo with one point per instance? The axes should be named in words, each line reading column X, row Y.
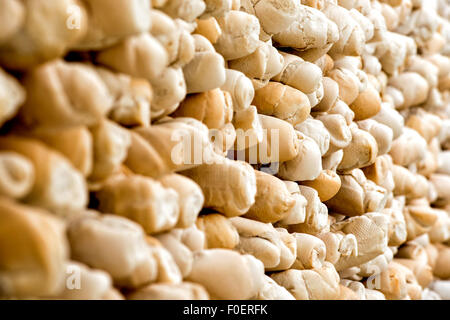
column 224, row 149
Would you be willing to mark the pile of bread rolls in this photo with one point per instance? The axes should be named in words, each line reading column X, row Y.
column 225, row 149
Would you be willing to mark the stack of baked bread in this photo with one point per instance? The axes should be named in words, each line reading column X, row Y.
column 225, row 149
